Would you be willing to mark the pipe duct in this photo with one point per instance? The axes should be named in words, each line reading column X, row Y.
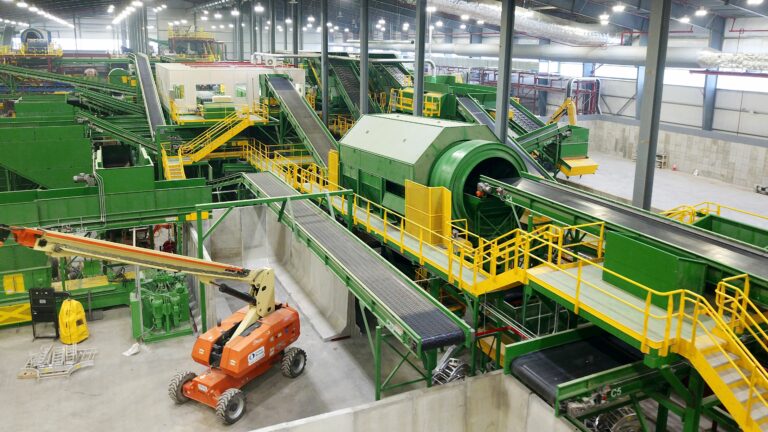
column 752, row 62
column 618, row 55
column 527, row 21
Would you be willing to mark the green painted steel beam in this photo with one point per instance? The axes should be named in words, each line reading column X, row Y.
column 117, row 132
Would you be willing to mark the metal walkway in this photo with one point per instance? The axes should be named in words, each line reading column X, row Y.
column 394, row 291
column 481, row 116
column 149, row 93
column 303, row 118
column 714, row 248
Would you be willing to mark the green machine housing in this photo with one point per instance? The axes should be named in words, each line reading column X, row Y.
column 382, row 151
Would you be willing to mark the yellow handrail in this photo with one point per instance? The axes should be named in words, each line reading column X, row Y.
column 691, row 213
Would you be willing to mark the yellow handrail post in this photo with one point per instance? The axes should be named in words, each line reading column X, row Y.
column 421, row 245
column 646, row 318
column 668, row 325
column 576, row 300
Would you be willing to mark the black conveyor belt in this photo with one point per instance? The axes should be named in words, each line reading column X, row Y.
column 544, row 370
column 396, row 73
column 149, row 93
column 482, row 117
column 349, row 81
column 434, row 327
column 714, row 248
column 306, row 118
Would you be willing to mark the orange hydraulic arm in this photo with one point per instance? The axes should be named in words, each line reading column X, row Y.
column 58, row 244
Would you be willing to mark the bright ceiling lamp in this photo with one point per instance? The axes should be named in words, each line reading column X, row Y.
column 465, row 17
column 217, row 15
column 604, row 17
column 310, row 19
column 480, row 22
column 258, row 8
column 754, row 2
column 701, row 12
column 439, row 23
column 685, row 19
column 22, row 5
column 204, row 18
column 431, row 9
column 288, row 20
column 235, row 12
column 463, row 26
column 619, row 8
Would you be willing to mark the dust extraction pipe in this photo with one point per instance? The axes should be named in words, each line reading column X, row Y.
column 618, row 55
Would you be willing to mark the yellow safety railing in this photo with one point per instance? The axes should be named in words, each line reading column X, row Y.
column 311, row 98
column 341, row 123
column 734, row 305
column 686, row 317
column 218, row 134
column 380, row 98
column 399, row 101
column 173, row 32
column 691, row 213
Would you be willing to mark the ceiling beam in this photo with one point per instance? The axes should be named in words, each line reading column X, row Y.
column 594, row 10
column 756, row 10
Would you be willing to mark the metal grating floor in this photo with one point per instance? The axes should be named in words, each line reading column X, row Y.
column 307, row 119
column 434, row 327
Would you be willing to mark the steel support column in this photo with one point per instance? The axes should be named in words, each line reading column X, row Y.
column 324, row 57
column 272, row 26
column 296, row 30
column 364, row 34
column 252, row 32
column 285, row 25
column 655, row 61
column 716, row 33
column 418, row 66
column 239, row 35
column 543, row 96
column 505, row 63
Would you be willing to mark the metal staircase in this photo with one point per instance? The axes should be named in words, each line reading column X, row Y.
column 210, row 140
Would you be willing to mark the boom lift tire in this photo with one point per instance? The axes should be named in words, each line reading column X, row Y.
column 293, row 362
column 176, row 386
column 231, row 406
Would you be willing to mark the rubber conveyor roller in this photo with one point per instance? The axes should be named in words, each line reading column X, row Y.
column 306, row 118
column 433, row 327
column 714, row 248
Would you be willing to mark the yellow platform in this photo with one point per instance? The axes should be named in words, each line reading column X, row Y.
column 577, row 166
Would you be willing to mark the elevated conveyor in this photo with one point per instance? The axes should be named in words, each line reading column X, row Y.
column 303, row 118
column 397, row 74
column 481, row 116
column 350, row 85
column 149, row 94
column 717, row 250
column 118, row 132
column 430, row 326
column 21, row 72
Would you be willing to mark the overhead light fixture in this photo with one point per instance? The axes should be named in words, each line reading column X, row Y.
column 22, row 5
column 685, row 19
column 288, row 20
column 335, row 27
column 33, row 9
column 205, row 12
column 176, row 22
column 346, row 29
column 329, row 24
column 217, row 15
column 701, row 12
column 754, row 2
column 170, row 24
column 463, row 26
column 431, row 9
column 235, row 12
column 304, row 28
column 465, row 17
column 111, row 8
column 203, row 18
column 137, row 4
column 439, row 23
column 150, row 27
column 431, row 27
column 309, row 25
column 330, row 30
column 604, row 17
column 381, row 21
column 480, row 22
column 406, row 26
column 619, row 8
column 109, row 27
column 164, row 6
column 604, row 22
column 310, row 19
column 183, row 21
column 318, row 29
column 233, row 26
column 258, row 8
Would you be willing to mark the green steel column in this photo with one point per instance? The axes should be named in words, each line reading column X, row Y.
column 201, row 295
column 63, row 272
column 694, row 408
column 662, row 414
column 377, row 361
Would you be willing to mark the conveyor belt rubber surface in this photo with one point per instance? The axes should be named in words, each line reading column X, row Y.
column 348, row 80
column 525, row 122
column 430, row 323
column 544, row 370
column 742, row 257
column 396, row 73
column 482, row 117
column 307, row 120
column 149, row 93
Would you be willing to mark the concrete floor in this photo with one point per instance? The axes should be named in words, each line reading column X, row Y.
column 615, row 176
column 130, row 393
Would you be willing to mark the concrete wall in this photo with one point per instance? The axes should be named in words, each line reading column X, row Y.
column 487, row 403
column 252, row 237
column 736, row 163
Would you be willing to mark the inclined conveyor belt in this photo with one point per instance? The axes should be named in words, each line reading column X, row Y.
column 348, row 80
column 544, row 370
column 307, row 120
column 149, row 93
column 709, row 246
column 396, row 73
column 481, row 116
column 434, row 327
column 527, row 123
